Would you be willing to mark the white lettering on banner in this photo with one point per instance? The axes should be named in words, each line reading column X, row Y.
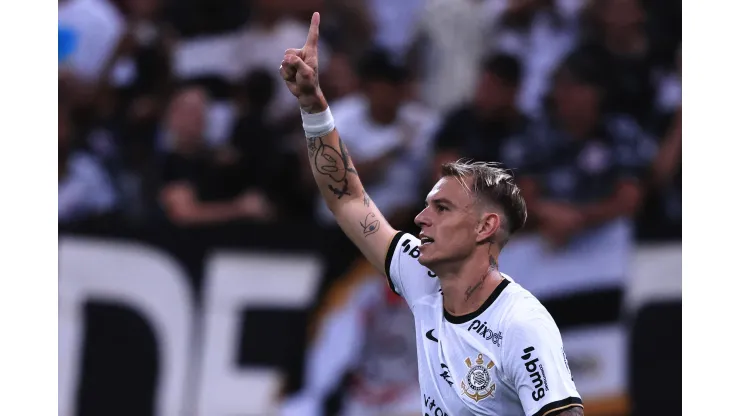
column 141, row 278
column 236, row 282
column 153, row 284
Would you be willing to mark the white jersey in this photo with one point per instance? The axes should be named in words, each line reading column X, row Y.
column 505, row 359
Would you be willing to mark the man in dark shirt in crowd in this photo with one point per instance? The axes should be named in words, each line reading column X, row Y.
column 483, row 129
column 198, row 186
column 619, row 34
column 581, row 167
column 581, row 171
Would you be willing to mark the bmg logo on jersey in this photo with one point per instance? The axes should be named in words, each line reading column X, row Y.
column 481, row 329
column 536, row 374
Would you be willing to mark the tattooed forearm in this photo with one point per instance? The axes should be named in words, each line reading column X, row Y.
column 345, row 157
column 311, row 142
column 370, row 225
column 332, row 161
column 340, row 192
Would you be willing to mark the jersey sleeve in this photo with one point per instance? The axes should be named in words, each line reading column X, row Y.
column 538, row 368
column 406, row 277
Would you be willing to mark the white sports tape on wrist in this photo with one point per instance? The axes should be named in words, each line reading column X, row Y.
column 318, row 124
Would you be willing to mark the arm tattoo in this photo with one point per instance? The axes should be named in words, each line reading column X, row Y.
column 366, row 198
column 312, row 145
column 341, row 192
column 572, row 411
column 370, row 225
column 345, row 157
column 335, row 164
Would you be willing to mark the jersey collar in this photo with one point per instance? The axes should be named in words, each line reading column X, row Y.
column 461, row 319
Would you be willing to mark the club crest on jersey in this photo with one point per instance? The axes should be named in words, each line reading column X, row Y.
column 478, row 384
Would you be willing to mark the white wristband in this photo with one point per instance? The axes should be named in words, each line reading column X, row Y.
column 318, row 124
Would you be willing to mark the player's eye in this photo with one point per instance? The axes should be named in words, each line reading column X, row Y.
column 441, row 208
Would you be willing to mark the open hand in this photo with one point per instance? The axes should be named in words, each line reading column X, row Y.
column 300, row 70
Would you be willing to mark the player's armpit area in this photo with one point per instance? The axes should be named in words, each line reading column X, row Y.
column 572, row 406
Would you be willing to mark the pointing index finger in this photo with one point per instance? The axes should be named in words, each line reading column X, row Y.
column 312, row 41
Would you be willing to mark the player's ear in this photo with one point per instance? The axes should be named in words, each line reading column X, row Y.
column 488, row 226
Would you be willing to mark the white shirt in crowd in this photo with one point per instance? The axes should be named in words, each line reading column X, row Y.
column 455, row 34
column 99, row 27
column 367, row 140
column 392, row 19
column 86, row 190
column 506, row 358
column 540, row 48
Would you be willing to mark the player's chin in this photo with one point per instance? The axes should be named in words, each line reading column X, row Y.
column 425, row 256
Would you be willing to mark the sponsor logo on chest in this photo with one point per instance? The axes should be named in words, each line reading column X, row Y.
column 487, row 333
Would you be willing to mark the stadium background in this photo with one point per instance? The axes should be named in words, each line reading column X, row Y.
column 196, row 284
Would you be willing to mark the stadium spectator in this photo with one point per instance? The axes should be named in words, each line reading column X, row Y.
column 582, row 172
column 449, row 43
column 348, row 24
column 198, row 187
column 482, row 129
column 97, row 26
column 540, row 33
column 85, row 190
column 584, row 167
column 393, row 22
column 661, row 216
column 140, row 69
column 390, row 137
column 340, row 79
column 262, row 150
column 618, row 31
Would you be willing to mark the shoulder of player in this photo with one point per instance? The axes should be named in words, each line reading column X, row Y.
column 404, row 247
column 526, row 315
column 519, row 299
column 404, row 243
column 513, row 306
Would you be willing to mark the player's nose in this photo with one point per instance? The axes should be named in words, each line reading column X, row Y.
column 422, row 219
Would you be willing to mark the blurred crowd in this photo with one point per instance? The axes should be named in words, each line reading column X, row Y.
column 173, row 111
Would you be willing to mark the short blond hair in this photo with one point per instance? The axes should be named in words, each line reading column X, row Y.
column 490, row 183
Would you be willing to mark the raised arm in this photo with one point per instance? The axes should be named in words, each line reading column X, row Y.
column 332, row 167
